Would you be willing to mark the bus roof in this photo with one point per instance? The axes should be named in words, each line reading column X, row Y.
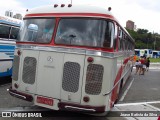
column 72, row 9
column 155, row 51
column 10, row 21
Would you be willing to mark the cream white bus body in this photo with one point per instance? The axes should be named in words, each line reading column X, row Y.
column 81, row 67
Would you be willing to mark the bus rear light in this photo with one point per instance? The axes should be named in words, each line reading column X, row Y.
column 55, row 5
column 62, row 5
column 16, row 85
column 19, row 52
column 86, row 99
column 69, row 5
column 90, row 59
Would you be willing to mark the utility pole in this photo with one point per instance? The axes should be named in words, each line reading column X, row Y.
column 155, row 42
column 147, row 43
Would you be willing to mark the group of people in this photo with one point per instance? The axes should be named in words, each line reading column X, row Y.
column 142, row 65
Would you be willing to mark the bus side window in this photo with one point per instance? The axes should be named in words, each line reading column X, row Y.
column 120, row 42
column 4, row 31
column 14, row 33
column 109, row 35
column 115, row 36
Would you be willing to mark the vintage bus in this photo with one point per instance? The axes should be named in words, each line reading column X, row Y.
column 71, row 57
column 143, row 52
column 9, row 29
column 155, row 54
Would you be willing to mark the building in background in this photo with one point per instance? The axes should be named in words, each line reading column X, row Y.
column 9, row 13
column 18, row 16
column 130, row 25
column 135, row 28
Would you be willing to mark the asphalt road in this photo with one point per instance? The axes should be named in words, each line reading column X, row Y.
column 144, row 88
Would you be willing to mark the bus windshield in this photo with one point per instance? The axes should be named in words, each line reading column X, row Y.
column 38, row 30
column 85, row 32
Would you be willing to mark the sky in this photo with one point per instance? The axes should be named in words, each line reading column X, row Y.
column 145, row 13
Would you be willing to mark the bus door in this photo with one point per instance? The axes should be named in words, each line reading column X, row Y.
column 29, row 63
column 72, row 77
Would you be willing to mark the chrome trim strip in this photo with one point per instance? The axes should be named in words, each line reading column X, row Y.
column 2, row 60
column 6, row 51
column 116, row 83
column 75, row 51
column 17, row 94
column 7, row 42
column 80, row 108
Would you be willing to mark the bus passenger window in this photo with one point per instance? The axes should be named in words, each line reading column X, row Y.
column 4, row 31
column 14, row 33
column 115, row 36
column 109, row 35
column 120, row 41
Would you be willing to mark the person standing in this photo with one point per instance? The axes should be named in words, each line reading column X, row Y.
column 147, row 64
column 137, row 64
column 143, row 65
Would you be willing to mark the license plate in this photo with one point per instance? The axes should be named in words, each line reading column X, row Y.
column 44, row 100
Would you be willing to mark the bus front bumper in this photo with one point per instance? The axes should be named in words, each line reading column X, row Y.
column 20, row 95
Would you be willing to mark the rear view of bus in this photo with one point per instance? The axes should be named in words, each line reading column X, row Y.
column 9, row 29
column 67, row 58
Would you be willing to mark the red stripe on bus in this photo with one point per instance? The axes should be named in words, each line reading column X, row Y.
column 114, row 94
column 125, row 61
column 70, row 15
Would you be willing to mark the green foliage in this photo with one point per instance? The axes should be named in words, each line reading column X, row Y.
column 142, row 31
column 145, row 39
column 155, row 59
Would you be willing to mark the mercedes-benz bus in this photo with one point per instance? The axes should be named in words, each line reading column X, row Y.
column 76, row 57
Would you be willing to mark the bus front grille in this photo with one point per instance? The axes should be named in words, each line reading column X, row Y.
column 29, row 70
column 71, row 75
column 16, row 62
column 94, row 79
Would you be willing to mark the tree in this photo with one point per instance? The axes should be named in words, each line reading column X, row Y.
column 142, row 31
column 145, row 39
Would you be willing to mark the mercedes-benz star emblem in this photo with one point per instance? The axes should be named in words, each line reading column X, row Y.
column 49, row 58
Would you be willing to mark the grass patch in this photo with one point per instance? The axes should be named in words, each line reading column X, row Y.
column 155, row 60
